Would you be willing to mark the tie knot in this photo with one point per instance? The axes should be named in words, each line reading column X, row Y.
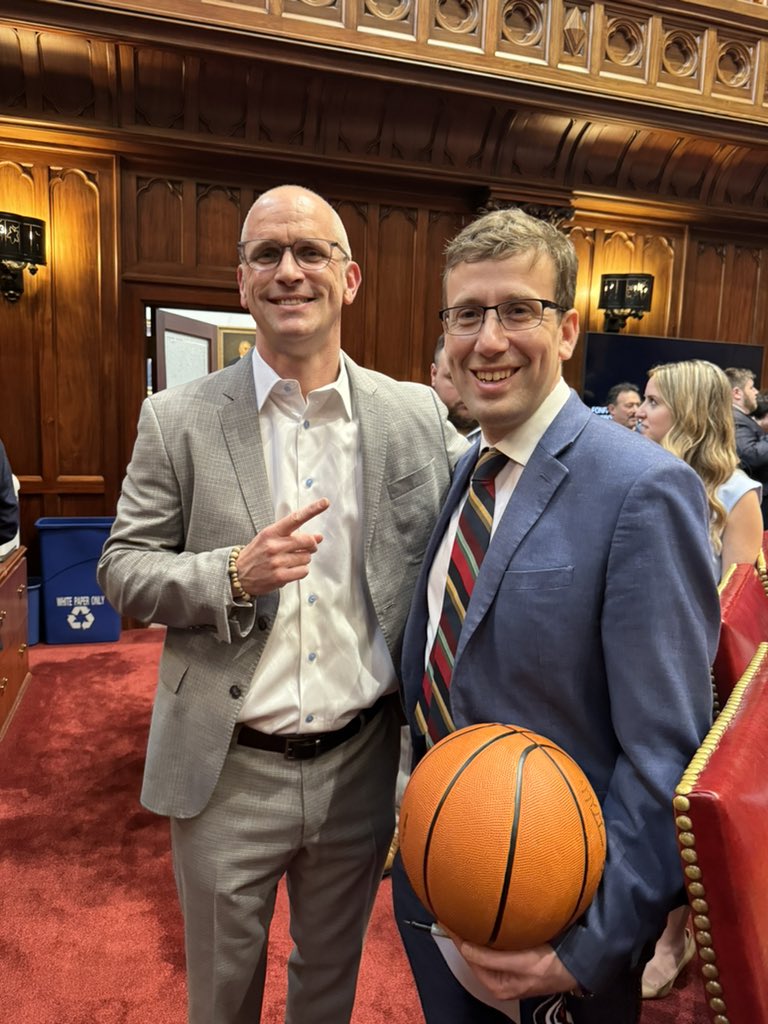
column 491, row 462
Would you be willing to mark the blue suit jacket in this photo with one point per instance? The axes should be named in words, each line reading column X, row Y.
column 594, row 621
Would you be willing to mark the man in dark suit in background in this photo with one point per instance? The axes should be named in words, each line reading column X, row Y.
column 751, row 439
column 593, row 621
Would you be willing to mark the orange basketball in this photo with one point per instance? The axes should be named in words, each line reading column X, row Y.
column 502, row 836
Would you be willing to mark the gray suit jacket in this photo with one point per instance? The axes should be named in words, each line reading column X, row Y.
column 196, row 486
column 594, row 621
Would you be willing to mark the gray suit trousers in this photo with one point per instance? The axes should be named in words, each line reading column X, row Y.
column 326, row 824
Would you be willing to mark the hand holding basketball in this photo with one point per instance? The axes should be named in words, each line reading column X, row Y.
column 502, row 836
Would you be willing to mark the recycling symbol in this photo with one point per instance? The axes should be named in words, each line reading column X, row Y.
column 81, row 617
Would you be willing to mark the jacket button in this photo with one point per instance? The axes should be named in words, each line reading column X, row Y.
column 235, row 691
column 262, row 622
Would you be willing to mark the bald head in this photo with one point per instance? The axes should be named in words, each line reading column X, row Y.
column 294, row 205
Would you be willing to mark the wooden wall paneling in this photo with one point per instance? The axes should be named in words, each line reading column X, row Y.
column 705, row 279
column 223, row 96
column 358, row 321
column 395, row 264
column 658, row 255
column 218, row 221
column 67, row 75
column 423, row 270
column 25, row 337
column 583, row 240
column 441, row 225
column 12, row 78
column 159, row 88
column 59, row 421
column 82, row 391
column 158, row 210
column 745, row 283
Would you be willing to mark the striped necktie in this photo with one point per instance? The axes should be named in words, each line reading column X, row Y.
column 433, row 715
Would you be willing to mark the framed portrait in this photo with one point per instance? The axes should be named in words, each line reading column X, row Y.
column 234, row 342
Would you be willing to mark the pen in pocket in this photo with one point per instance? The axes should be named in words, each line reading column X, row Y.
column 425, row 926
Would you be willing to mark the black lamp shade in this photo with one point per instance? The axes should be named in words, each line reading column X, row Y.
column 22, row 239
column 626, row 291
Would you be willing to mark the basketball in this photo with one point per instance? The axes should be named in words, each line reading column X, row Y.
column 502, row 836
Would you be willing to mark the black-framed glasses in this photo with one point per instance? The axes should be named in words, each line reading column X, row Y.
column 267, row 254
column 514, row 315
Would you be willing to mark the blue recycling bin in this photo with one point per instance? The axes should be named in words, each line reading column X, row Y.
column 75, row 610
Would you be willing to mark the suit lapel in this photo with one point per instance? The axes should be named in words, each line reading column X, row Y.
column 374, row 432
column 242, row 434
column 538, row 484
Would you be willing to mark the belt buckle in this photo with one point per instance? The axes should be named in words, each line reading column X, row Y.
column 301, row 748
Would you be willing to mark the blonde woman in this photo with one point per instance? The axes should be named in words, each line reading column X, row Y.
column 688, row 409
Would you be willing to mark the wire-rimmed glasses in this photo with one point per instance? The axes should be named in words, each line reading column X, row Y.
column 514, row 315
column 267, row 254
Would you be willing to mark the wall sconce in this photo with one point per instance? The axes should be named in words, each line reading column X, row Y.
column 623, row 296
column 22, row 244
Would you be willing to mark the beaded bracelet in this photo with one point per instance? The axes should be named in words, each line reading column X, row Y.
column 237, row 588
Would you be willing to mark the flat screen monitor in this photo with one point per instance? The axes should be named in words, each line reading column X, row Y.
column 612, row 358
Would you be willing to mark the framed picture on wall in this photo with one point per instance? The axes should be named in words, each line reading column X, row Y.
column 234, row 342
column 186, row 349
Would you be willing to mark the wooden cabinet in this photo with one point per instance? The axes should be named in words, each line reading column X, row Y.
column 14, row 660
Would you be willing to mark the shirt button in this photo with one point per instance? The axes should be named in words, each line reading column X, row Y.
column 312, row 656
column 262, row 622
column 312, row 598
column 235, row 691
column 308, row 482
column 305, row 424
column 309, row 718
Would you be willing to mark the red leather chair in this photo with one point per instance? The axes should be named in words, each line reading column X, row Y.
column 721, row 810
column 744, row 615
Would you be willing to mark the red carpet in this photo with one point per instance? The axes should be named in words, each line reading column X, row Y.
column 90, row 932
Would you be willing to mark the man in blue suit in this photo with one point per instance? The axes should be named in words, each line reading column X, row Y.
column 593, row 620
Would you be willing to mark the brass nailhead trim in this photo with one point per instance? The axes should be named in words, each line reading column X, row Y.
column 687, row 835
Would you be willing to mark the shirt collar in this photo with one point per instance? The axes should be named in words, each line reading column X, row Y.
column 520, row 443
column 265, row 380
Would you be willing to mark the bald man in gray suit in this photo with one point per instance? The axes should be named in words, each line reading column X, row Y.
column 274, row 516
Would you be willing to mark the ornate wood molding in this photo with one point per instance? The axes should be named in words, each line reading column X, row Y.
column 131, row 97
column 698, row 57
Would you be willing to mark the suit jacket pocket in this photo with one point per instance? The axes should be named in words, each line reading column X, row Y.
column 405, row 484
column 173, row 668
column 537, row 579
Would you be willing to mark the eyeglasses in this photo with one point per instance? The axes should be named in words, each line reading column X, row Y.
column 514, row 315
column 267, row 254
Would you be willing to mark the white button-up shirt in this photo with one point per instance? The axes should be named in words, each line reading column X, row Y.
column 325, row 658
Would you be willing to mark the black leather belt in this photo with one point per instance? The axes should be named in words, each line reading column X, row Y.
column 305, row 745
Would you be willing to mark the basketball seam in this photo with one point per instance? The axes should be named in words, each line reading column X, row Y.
column 585, row 842
column 512, row 848
column 433, row 824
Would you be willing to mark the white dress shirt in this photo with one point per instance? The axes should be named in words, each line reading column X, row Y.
column 325, row 658
column 518, row 445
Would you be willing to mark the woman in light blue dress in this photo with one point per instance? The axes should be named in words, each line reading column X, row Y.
column 688, row 409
